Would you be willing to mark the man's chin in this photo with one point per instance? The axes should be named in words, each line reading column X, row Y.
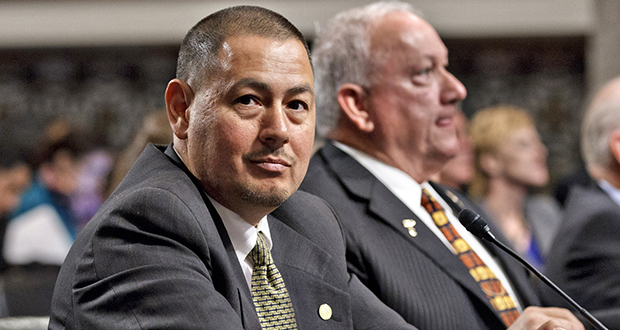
column 272, row 198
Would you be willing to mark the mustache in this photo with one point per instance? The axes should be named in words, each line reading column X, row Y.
column 275, row 152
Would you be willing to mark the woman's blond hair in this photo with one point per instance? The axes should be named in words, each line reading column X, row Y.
column 488, row 129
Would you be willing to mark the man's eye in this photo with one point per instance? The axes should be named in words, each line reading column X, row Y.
column 298, row 105
column 422, row 76
column 424, row 72
column 246, row 100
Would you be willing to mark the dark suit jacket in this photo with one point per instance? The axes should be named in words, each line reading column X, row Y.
column 157, row 256
column 584, row 259
column 417, row 276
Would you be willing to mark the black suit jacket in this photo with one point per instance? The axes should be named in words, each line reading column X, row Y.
column 584, row 259
column 417, row 276
column 157, row 256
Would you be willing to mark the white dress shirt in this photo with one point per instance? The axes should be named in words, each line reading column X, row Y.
column 243, row 237
column 409, row 192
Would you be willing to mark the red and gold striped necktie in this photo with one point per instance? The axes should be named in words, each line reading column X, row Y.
column 490, row 285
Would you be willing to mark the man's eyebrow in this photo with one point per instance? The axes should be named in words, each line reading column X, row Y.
column 300, row 90
column 264, row 87
column 249, row 82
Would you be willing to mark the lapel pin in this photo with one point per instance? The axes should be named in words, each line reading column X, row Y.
column 325, row 312
column 409, row 224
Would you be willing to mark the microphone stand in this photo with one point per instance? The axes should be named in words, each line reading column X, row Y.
column 589, row 317
column 484, row 232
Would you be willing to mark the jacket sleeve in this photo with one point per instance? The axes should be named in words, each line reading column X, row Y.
column 150, row 262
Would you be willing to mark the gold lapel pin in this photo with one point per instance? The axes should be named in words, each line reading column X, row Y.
column 410, row 225
column 325, row 312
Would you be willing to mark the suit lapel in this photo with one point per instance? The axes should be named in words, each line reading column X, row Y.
column 294, row 250
column 239, row 295
column 246, row 305
column 386, row 207
column 303, row 266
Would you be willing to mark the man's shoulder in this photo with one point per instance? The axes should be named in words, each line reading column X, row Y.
column 579, row 193
column 588, row 205
column 302, row 207
column 155, row 188
column 155, row 169
column 332, row 173
column 317, row 163
column 588, row 199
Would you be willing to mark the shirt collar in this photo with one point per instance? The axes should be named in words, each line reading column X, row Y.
column 394, row 179
column 242, row 234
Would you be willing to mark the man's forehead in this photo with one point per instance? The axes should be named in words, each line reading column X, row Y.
column 245, row 49
column 409, row 35
column 230, row 44
column 244, row 60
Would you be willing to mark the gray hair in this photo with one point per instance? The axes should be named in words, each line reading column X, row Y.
column 341, row 55
column 600, row 120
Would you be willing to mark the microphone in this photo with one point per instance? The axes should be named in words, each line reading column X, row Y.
column 474, row 223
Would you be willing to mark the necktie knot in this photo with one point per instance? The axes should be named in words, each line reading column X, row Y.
column 429, row 203
column 260, row 254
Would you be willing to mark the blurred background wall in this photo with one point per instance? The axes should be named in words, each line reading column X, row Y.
column 105, row 64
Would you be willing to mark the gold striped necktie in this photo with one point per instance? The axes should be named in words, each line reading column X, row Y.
column 490, row 285
column 271, row 300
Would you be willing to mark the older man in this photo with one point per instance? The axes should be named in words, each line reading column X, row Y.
column 187, row 240
column 387, row 105
column 585, row 256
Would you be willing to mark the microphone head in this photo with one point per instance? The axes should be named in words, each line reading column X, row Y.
column 474, row 223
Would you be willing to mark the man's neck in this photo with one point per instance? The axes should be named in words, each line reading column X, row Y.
column 418, row 169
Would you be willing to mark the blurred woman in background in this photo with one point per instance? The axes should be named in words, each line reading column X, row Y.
column 510, row 160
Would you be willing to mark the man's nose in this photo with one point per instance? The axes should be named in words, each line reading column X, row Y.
column 274, row 127
column 453, row 90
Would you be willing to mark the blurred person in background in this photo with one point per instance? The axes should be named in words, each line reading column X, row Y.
column 95, row 167
column 510, row 160
column 155, row 129
column 584, row 259
column 15, row 176
column 459, row 171
column 43, row 226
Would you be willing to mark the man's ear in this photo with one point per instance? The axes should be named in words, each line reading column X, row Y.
column 352, row 100
column 179, row 96
column 614, row 145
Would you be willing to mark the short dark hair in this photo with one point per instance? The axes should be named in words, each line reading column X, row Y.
column 198, row 55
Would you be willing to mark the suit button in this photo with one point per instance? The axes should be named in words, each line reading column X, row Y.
column 325, row 312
